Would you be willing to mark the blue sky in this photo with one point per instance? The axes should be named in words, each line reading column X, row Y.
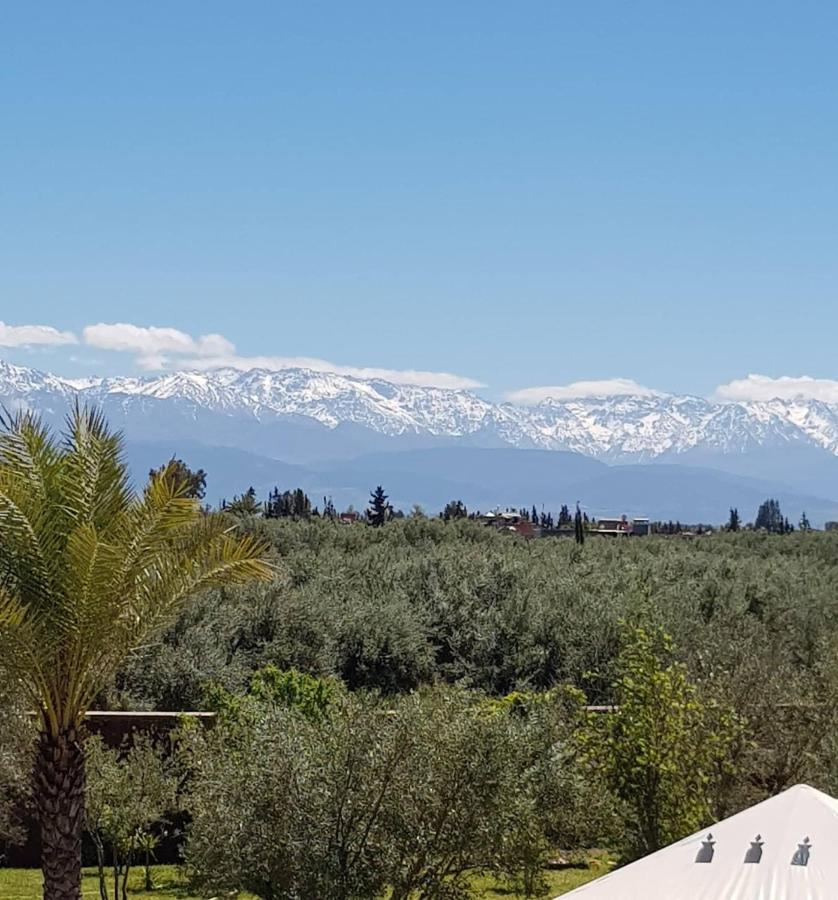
column 518, row 194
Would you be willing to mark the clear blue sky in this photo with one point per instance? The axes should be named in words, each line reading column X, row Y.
column 525, row 194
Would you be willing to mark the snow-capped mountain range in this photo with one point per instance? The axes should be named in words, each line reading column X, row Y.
column 664, row 456
column 614, row 429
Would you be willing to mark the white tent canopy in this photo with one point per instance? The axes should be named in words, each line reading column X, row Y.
column 785, row 848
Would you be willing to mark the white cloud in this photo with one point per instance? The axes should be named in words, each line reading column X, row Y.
column 150, row 344
column 30, row 335
column 763, row 387
column 159, row 349
column 607, row 387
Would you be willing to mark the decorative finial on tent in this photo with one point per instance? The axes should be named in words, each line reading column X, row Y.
column 754, row 855
column 801, row 857
column 705, row 853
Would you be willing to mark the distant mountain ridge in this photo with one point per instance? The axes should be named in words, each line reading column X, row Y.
column 613, row 429
column 488, row 478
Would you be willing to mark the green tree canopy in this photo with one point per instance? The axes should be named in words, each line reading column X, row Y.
column 194, row 481
column 662, row 746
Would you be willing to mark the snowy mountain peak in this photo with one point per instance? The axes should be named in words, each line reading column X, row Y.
column 21, row 381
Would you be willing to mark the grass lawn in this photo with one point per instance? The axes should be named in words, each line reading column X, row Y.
column 25, row 884
column 557, row 883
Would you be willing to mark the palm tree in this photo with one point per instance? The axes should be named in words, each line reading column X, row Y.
column 88, row 571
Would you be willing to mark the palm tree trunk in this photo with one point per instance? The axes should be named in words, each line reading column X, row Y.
column 59, row 793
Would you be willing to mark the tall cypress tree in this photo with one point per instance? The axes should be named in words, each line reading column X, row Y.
column 579, row 526
column 379, row 508
column 301, row 505
column 454, row 509
column 770, row 518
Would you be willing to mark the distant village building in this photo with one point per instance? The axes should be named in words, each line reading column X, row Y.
column 509, row 520
column 520, row 523
column 831, row 526
column 624, row 527
column 641, row 526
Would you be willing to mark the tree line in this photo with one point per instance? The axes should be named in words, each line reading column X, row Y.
column 296, row 504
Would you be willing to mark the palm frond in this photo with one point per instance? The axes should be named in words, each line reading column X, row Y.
column 27, row 561
column 89, row 570
column 96, row 486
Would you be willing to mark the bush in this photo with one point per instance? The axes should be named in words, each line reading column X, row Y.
column 286, row 806
column 410, row 794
